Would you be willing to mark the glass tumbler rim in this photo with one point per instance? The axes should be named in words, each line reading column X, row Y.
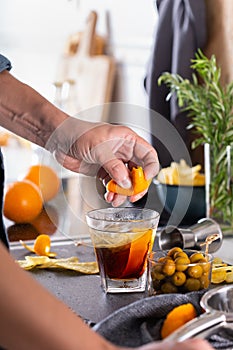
column 90, row 214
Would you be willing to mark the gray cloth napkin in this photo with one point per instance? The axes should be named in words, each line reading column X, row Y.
column 140, row 322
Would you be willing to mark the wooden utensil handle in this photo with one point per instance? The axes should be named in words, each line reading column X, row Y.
column 86, row 42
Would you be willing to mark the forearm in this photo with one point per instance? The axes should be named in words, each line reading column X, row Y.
column 33, row 319
column 25, row 112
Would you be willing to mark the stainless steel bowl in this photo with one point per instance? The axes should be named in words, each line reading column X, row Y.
column 219, row 299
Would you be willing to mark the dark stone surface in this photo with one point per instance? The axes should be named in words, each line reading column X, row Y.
column 82, row 293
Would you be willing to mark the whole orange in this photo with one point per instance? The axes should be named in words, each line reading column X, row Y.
column 47, row 221
column 22, row 202
column 46, row 179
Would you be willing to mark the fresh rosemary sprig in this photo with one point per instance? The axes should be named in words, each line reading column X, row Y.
column 208, row 103
column 210, row 108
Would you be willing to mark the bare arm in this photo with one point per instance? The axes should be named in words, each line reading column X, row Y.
column 25, row 112
column 33, row 319
column 96, row 149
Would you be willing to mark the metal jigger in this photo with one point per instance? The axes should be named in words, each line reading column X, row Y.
column 193, row 237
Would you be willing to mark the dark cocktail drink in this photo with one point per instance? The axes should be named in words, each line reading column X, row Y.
column 127, row 260
column 122, row 239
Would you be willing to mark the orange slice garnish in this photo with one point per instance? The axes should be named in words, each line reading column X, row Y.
column 41, row 246
column 177, row 317
column 139, row 183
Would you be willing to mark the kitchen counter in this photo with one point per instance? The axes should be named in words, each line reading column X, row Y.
column 82, row 293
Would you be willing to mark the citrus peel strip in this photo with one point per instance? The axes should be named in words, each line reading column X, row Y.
column 41, row 246
column 72, row 263
column 139, row 183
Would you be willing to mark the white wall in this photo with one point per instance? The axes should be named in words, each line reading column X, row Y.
column 33, row 34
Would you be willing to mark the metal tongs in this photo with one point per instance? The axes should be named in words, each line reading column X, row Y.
column 218, row 306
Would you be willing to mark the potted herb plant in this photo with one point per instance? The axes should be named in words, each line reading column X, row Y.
column 210, row 108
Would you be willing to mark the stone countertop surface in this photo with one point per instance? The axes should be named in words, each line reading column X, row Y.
column 82, row 293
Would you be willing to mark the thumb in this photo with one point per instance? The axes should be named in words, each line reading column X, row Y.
column 118, row 171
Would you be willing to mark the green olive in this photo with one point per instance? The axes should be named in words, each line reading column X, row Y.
column 206, row 265
column 180, row 254
column 205, row 281
column 163, row 259
column 195, row 257
column 173, row 250
column 195, row 271
column 168, row 287
column 192, row 284
column 179, row 278
column 155, row 275
column 169, row 267
column 157, row 267
column 156, row 286
column 181, row 263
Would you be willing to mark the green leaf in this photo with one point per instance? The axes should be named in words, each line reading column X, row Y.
column 210, row 108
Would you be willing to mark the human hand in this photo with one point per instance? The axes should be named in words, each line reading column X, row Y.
column 103, row 150
column 191, row 344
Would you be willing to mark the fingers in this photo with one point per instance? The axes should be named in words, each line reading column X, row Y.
column 118, row 171
column 130, row 149
column 191, row 344
column 148, row 156
column 138, row 196
column 115, row 199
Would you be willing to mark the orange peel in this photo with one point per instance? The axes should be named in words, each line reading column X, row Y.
column 41, row 246
column 177, row 317
column 139, row 183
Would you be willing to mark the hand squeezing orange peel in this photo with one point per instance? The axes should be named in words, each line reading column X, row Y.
column 41, row 246
column 139, row 183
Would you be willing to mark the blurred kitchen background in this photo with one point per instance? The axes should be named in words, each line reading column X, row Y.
column 38, row 36
column 34, row 35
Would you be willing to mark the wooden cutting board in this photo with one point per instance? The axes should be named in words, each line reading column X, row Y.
column 93, row 74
